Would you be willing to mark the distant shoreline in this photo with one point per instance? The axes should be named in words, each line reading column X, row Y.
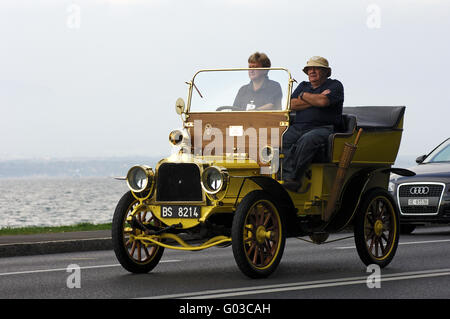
column 97, row 167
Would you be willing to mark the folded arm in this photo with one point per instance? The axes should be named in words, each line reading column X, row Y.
column 309, row 99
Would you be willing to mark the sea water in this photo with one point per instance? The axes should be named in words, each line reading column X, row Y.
column 56, row 201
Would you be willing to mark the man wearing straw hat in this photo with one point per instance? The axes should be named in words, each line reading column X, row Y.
column 318, row 104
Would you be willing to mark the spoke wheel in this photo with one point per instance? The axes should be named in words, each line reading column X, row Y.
column 257, row 235
column 133, row 254
column 377, row 229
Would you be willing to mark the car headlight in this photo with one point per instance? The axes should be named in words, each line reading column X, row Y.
column 391, row 187
column 214, row 179
column 140, row 178
column 176, row 137
column 266, row 154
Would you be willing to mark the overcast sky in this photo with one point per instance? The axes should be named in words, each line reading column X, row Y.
column 95, row 78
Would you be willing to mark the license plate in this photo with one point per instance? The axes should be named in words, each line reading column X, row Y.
column 418, row 201
column 180, row 211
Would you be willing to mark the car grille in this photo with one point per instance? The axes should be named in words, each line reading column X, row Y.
column 178, row 182
column 433, row 196
column 435, row 190
column 412, row 210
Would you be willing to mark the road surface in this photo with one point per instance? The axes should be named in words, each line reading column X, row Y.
column 420, row 269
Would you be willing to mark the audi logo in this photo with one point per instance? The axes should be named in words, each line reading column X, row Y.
column 419, row 190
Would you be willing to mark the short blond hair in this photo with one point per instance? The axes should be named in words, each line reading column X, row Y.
column 260, row 58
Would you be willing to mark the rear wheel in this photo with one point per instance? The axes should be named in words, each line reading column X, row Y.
column 132, row 254
column 258, row 235
column 377, row 229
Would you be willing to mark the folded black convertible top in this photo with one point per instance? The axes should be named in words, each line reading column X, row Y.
column 376, row 117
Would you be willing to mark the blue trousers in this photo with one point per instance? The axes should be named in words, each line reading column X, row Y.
column 299, row 148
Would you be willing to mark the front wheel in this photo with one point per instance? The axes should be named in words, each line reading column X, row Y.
column 377, row 229
column 258, row 235
column 132, row 254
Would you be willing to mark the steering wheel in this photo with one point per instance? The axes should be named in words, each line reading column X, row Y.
column 228, row 108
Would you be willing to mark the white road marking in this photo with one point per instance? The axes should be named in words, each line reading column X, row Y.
column 65, row 269
column 244, row 291
column 405, row 243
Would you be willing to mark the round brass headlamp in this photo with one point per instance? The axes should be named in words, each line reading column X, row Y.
column 176, row 137
column 214, row 179
column 140, row 178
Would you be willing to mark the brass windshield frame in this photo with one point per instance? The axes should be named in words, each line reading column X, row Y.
column 289, row 92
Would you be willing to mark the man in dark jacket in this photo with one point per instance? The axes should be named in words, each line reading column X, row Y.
column 318, row 105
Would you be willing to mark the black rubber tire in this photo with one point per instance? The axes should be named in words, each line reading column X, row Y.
column 268, row 250
column 375, row 225
column 125, row 254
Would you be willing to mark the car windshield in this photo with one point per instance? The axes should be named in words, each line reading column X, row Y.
column 440, row 154
column 258, row 89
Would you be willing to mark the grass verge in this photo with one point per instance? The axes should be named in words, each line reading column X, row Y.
column 52, row 229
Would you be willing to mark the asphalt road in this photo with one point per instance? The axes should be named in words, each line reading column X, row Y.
column 420, row 269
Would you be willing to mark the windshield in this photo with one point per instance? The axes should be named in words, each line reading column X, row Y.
column 440, row 154
column 258, row 89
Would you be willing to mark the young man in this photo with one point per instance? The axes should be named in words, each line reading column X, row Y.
column 318, row 105
column 261, row 93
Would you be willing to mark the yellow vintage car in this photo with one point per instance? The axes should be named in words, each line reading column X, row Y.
column 223, row 185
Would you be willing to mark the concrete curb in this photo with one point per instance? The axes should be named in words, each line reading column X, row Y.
column 54, row 243
column 54, row 247
column 57, row 243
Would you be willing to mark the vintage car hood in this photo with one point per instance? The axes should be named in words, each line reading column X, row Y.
column 437, row 172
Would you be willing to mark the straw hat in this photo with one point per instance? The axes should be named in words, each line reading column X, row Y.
column 318, row 62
